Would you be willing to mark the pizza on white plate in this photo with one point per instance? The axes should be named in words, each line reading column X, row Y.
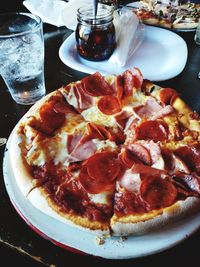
column 115, row 154
column 169, row 14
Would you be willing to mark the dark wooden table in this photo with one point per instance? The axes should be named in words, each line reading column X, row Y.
column 16, row 238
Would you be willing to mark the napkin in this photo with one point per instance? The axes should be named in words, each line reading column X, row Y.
column 130, row 34
column 56, row 12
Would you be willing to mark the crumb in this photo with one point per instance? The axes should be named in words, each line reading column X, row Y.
column 123, row 238
column 100, row 240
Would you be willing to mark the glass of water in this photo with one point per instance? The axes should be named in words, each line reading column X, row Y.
column 22, row 56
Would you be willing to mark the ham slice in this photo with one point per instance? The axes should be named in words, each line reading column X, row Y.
column 84, row 101
column 150, row 108
column 163, row 112
column 121, row 118
column 155, row 153
column 82, row 151
column 72, row 141
column 130, row 122
column 80, row 147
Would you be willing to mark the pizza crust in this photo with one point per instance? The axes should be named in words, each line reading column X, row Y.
column 185, row 119
column 151, row 21
column 41, row 201
column 142, row 224
column 18, row 163
column 185, row 25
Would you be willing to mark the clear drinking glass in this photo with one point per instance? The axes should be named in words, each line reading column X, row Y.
column 197, row 35
column 22, row 56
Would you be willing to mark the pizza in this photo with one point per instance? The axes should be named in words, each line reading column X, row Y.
column 116, row 154
column 169, row 14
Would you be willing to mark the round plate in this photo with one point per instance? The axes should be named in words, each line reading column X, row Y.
column 161, row 56
column 76, row 239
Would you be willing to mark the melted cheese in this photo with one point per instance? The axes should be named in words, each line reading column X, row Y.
column 130, row 181
column 101, row 198
column 30, row 134
column 74, row 123
column 61, row 154
column 36, row 156
column 48, row 149
column 173, row 145
column 93, row 114
column 70, row 97
column 101, row 144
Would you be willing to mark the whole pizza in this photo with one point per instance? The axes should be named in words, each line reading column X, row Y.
column 169, row 13
column 115, row 154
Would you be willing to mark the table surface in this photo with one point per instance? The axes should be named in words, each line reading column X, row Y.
column 16, row 238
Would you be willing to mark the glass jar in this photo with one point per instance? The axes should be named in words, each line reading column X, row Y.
column 95, row 36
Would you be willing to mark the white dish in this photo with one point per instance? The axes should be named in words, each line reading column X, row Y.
column 161, row 56
column 73, row 238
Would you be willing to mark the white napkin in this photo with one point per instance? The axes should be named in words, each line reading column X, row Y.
column 56, row 12
column 129, row 34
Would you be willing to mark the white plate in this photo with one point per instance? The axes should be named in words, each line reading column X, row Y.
column 161, row 56
column 67, row 236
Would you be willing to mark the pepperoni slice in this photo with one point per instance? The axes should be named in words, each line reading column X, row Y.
column 168, row 159
column 147, row 170
column 103, row 166
column 158, row 193
column 119, row 84
column 141, row 153
column 92, row 185
column 96, row 85
column 109, row 105
column 191, row 156
column 63, row 107
column 117, row 136
column 138, row 77
column 98, row 131
column 132, row 79
column 152, row 130
column 191, row 181
column 128, row 159
column 51, row 120
column 128, row 83
column 167, row 96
